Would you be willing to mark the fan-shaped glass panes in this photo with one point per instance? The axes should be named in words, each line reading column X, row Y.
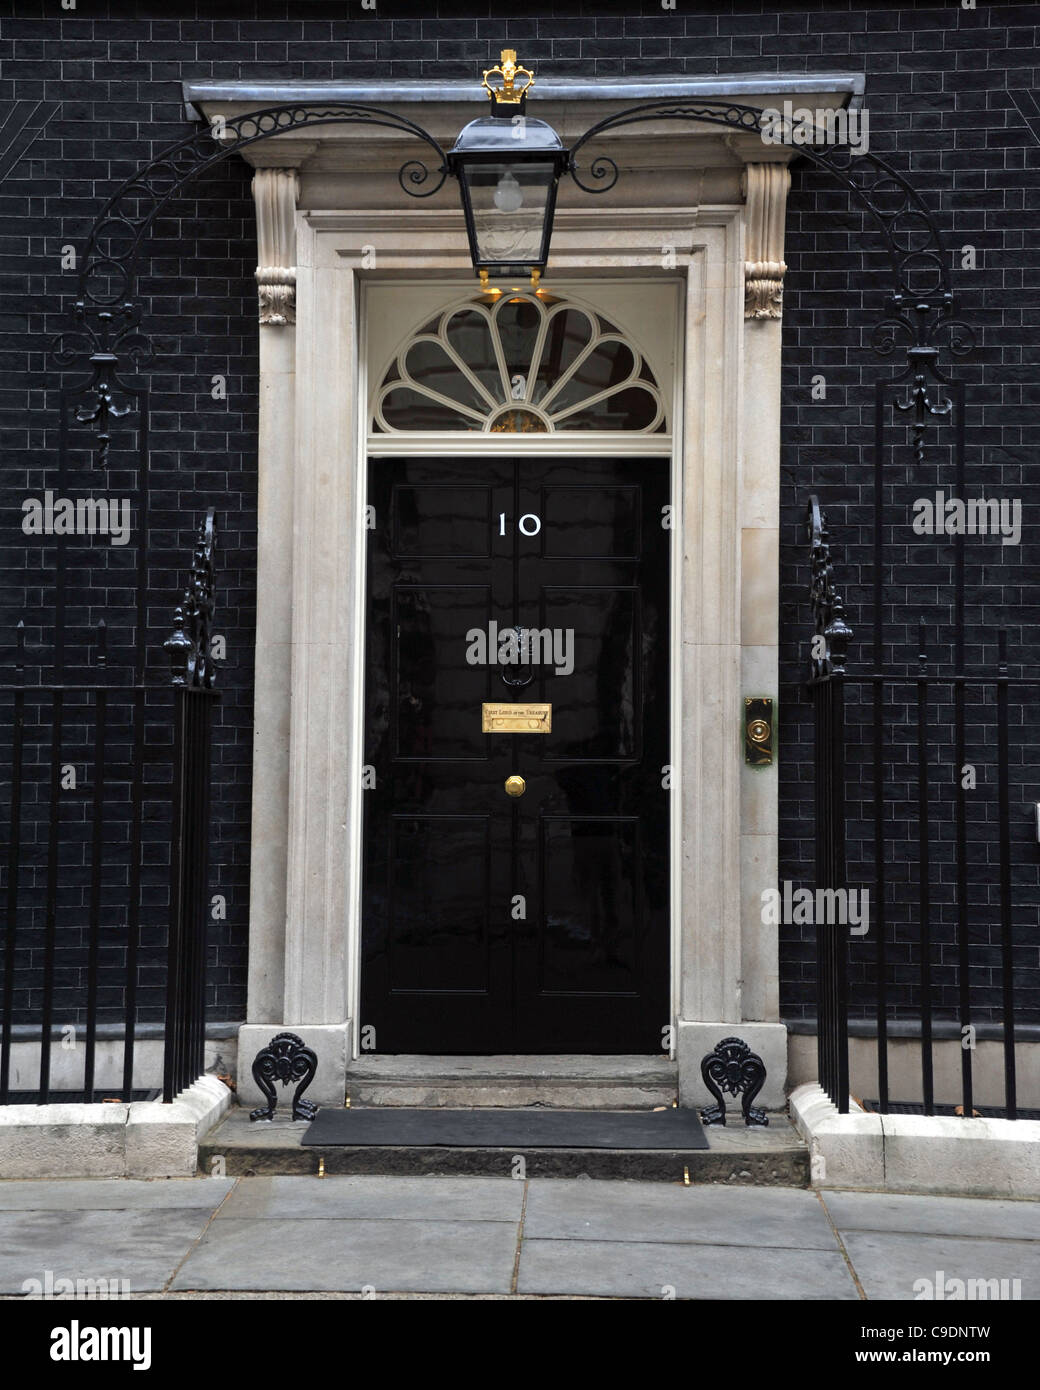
column 528, row 363
column 517, row 322
column 567, row 336
column 467, row 335
column 608, row 366
column 404, row 409
column 429, row 365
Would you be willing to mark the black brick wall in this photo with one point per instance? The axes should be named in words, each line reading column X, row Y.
column 938, row 80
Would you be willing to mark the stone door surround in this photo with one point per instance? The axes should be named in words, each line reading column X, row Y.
column 704, row 205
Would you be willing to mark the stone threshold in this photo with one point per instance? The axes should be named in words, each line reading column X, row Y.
column 931, row 1154
column 513, row 1082
column 774, row 1156
column 514, row 1066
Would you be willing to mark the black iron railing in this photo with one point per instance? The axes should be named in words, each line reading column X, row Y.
column 827, row 657
column 186, row 959
column 104, row 787
column 935, row 806
column 189, row 650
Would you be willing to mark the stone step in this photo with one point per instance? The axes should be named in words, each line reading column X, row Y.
column 479, row 1092
column 515, row 1082
column 773, row 1156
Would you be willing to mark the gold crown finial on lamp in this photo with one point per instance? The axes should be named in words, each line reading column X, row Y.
column 509, row 92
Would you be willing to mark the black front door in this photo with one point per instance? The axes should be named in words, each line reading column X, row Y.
column 539, row 922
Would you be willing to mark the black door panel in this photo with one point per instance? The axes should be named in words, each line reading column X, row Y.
column 537, row 923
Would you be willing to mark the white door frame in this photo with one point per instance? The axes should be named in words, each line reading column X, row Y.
column 725, row 475
column 613, row 444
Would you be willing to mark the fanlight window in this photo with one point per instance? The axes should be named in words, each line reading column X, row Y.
column 527, row 363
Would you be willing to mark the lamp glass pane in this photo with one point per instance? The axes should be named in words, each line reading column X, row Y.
column 508, row 202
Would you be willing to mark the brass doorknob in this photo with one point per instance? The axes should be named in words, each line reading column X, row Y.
column 515, row 786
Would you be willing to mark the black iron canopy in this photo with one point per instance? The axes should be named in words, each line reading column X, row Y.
column 508, row 165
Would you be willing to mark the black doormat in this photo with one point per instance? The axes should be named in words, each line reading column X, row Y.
column 509, row 1129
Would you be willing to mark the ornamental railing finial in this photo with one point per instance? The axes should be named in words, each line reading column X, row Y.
column 832, row 634
column 188, row 645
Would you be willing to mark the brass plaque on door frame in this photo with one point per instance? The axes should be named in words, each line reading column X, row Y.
column 516, row 719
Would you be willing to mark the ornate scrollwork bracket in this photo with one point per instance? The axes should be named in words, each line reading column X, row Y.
column 921, row 304
column 95, row 341
column 100, row 411
column 765, row 187
column 103, row 337
column 921, row 403
column 915, row 323
column 733, row 1067
column 286, row 1058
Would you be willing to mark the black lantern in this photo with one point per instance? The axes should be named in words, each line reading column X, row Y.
column 508, row 166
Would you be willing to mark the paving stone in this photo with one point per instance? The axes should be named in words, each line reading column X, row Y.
column 639, row 1269
column 113, row 1194
column 888, row 1264
column 631, row 1211
column 962, row 1216
column 393, row 1199
column 144, row 1247
column 418, row 1256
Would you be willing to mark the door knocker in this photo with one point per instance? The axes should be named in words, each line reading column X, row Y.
column 519, row 681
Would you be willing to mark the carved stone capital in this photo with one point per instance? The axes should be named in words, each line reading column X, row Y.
column 765, row 187
column 275, row 193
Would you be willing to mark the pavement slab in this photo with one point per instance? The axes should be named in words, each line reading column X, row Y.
column 143, row 1247
column 113, row 1194
column 963, row 1216
column 376, row 1198
column 638, row 1269
column 627, row 1211
column 418, row 1256
column 889, row 1265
